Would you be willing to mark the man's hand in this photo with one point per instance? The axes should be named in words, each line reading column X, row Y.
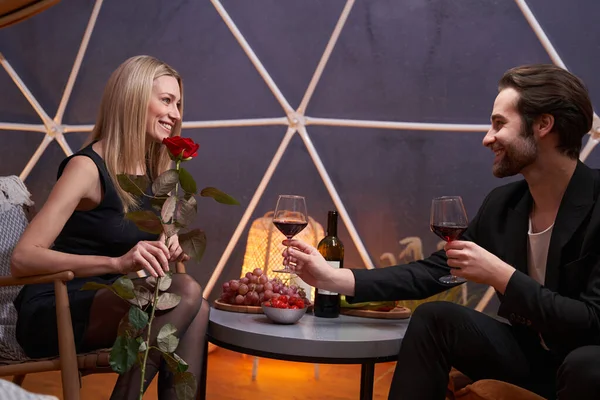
column 476, row 264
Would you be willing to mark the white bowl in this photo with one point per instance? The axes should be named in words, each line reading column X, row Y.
column 284, row 315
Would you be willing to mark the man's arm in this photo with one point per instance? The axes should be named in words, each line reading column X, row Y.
column 568, row 320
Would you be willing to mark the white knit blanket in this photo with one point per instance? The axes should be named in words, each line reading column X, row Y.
column 10, row 391
column 13, row 193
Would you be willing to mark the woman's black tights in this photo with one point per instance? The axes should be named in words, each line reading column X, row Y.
column 190, row 317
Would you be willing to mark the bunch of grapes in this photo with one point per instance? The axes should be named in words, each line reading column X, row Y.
column 255, row 288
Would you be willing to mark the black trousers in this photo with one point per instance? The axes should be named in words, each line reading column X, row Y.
column 442, row 335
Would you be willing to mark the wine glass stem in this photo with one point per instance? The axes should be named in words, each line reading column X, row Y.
column 288, row 253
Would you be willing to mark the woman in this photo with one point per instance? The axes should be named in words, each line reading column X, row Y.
column 82, row 228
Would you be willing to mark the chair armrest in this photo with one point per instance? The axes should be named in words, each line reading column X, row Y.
column 63, row 276
column 180, row 267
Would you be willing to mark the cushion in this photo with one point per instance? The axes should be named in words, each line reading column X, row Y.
column 10, row 391
column 13, row 221
column 489, row 389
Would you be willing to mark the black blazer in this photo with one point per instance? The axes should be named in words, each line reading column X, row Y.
column 566, row 310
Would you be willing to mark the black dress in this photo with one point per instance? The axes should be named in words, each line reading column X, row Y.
column 102, row 231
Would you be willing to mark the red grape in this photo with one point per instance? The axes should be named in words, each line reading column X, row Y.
column 263, row 279
column 259, row 288
column 258, row 271
column 239, row 299
column 254, row 298
column 226, row 286
column 268, row 294
column 268, row 286
column 234, row 285
column 243, row 289
column 245, row 280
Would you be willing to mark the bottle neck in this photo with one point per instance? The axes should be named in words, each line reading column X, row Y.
column 332, row 219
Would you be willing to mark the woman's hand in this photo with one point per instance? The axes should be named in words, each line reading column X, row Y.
column 175, row 250
column 152, row 256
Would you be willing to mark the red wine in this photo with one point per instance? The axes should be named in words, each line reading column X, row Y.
column 327, row 304
column 290, row 228
column 448, row 231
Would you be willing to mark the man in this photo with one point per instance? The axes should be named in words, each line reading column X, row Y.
column 536, row 241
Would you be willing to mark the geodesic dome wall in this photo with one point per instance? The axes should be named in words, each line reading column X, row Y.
column 371, row 107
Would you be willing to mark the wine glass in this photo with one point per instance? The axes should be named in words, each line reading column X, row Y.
column 448, row 221
column 290, row 218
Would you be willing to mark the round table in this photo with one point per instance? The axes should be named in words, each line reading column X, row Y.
column 343, row 340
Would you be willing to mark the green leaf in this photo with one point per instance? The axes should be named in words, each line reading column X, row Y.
column 166, row 301
column 157, row 202
column 193, row 243
column 175, row 363
column 171, row 229
column 168, row 344
column 146, row 221
column 124, row 288
column 166, row 339
column 134, row 184
column 138, row 318
column 94, row 286
column 166, row 330
column 151, row 280
column 165, row 282
column 219, row 196
column 168, row 209
column 188, row 184
column 186, row 212
column 123, row 354
column 185, row 385
column 165, row 182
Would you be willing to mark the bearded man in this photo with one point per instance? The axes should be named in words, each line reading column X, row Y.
column 536, row 241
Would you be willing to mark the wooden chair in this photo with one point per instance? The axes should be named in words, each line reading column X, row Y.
column 13, row 361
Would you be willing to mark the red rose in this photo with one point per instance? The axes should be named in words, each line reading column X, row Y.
column 181, row 148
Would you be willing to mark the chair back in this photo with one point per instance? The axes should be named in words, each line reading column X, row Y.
column 13, row 221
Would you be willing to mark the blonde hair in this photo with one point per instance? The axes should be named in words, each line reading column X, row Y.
column 121, row 122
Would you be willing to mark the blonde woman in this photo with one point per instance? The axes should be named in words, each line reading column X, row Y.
column 81, row 228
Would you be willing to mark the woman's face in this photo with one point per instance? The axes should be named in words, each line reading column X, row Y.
column 163, row 110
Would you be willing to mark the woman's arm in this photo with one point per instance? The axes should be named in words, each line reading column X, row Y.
column 79, row 187
column 80, row 182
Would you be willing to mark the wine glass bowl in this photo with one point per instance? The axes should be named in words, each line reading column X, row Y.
column 290, row 218
column 448, row 221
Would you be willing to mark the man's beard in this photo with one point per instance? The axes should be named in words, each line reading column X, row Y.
column 517, row 155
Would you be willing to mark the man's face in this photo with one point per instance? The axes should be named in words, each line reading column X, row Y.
column 507, row 138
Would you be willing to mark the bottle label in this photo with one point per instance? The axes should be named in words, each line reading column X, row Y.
column 336, row 265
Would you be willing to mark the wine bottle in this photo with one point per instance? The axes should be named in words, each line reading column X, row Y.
column 327, row 304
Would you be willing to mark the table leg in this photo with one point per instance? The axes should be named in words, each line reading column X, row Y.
column 367, row 376
column 201, row 395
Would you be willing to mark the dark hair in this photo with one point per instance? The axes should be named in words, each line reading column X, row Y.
column 549, row 89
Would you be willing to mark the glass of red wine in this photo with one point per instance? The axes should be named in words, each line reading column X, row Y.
column 448, row 221
column 290, row 218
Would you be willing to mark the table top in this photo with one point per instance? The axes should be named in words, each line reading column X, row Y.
column 342, row 339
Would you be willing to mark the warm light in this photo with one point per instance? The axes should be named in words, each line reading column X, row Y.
column 264, row 248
